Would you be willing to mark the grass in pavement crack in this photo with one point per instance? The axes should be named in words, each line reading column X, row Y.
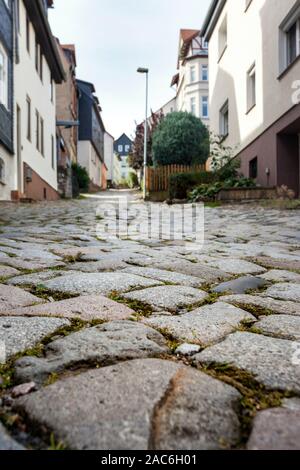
column 42, row 292
column 172, row 342
column 253, row 309
column 140, row 308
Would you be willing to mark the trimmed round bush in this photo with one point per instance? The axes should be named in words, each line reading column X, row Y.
column 180, row 139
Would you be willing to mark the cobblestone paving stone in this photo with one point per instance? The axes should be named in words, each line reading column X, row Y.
column 13, row 297
column 20, row 333
column 269, row 359
column 119, row 374
column 173, row 298
column 6, row 442
column 265, row 303
column 280, row 326
column 203, row 326
column 179, row 408
column 284, row 291
column 284, row 424
column 102, row 344
column 87, row 308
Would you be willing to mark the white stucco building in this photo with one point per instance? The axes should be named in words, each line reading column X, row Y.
column 109, row 156
column 192, row 79
column 169, row 107
column 254, row 67
column 37, row 69
column 117, row 162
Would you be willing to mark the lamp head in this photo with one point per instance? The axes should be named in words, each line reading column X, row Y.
column 142, row 70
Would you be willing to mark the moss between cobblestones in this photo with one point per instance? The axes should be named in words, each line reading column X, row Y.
column 141, row 309
column 211, row 299
column 7, row 370
column 43, row 293
column 255, row 396
column 52, row 378
column 254, row 310
column 172, row 342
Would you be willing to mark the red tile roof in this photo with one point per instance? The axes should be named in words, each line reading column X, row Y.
column 188, row 34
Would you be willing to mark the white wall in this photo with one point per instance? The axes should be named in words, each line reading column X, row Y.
column 8, row 184
column 88, row 158
column 109, row 154
column 253, row 37
column 117, row 169
column 197, row 89
column 28, row 83
column 169, row 107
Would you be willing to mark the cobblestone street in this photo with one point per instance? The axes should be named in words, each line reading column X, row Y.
column 149, row 344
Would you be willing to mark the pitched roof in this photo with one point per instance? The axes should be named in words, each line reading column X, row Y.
column 185, row 40
column 188, row 34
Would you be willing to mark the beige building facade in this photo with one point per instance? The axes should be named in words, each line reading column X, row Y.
column 192, row 79
column 254, row 66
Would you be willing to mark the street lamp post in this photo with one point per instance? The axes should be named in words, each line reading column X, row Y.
column 146, row 72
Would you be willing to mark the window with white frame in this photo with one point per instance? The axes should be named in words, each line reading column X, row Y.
column 193, row 105
column 127, row 148
column 224, row 120
column 2, row 171
column 192, row 74
column 3, row 77
column 204, row 107
column 120, row 148
column 290, row 39
column 223, row 37
column 204, row 73
column 251, row 87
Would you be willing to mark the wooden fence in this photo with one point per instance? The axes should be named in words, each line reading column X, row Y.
column 157, row 179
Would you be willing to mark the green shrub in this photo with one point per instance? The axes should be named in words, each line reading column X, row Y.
column 181, row 139
column 132, row 180
column 81, row 176
column 207, row 192
column 182, row 183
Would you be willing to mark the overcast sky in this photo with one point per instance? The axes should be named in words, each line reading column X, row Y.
column 114, row 37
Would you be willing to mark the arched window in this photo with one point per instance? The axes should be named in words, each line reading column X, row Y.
column 2, row 170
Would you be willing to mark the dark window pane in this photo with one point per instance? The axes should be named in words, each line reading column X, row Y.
column 253, row 168
column 292, row 43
